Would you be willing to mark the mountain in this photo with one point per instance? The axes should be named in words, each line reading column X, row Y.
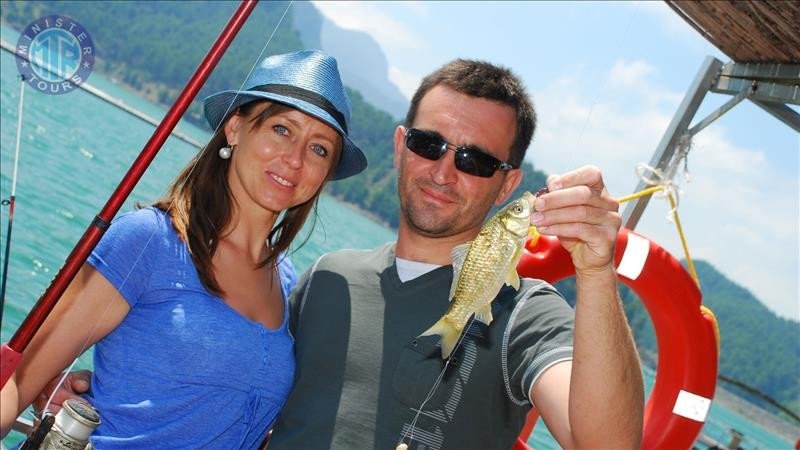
column 361, row 60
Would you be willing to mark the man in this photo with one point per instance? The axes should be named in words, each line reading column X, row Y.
column 366, row 379
column 363, row 371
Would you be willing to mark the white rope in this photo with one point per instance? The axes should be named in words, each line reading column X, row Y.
column 665, row 178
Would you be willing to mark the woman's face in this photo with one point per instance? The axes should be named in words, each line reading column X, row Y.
column 281, row 162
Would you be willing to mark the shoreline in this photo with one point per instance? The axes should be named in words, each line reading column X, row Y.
column 767, row 420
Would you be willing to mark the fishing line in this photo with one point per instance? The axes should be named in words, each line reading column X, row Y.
column 253, row 67
column 86, row 344
column 410, row 431
column 11, row 201
column 241, row 86
column 602, row 90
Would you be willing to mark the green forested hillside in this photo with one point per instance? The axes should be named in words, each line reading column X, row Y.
column 155, row 46
column 758, row 347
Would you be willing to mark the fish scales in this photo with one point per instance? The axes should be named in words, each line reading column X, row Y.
column 481, row 279
column 481, row 267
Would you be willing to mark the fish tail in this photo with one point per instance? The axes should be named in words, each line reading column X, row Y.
column 449, row 335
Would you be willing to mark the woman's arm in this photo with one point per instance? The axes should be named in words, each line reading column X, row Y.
column 89, row 309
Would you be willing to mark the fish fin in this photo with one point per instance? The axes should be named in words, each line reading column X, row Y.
column 458, row 255
column 449, row 335
column 484, row 314
column 512, row 278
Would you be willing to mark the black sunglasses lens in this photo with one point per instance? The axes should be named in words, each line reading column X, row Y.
column 468, row 160
column 475, row 162
column 424, row 144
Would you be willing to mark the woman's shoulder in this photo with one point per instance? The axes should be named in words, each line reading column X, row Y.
column 148, row 217
column 145, row 222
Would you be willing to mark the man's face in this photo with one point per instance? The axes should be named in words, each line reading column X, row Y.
column 437, row 199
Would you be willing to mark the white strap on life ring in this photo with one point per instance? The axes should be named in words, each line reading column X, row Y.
column 634, row 257
column 691, row 406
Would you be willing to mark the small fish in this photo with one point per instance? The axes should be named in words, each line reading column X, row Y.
column 481, row 267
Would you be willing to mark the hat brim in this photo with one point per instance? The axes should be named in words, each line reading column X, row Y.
column 219, row 106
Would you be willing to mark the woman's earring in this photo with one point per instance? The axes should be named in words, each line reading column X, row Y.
column 225, row 152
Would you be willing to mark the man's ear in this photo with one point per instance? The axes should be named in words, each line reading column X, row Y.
column 399, row 144
column 512, row 181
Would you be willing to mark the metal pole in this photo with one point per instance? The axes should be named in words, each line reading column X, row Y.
column 677, row 127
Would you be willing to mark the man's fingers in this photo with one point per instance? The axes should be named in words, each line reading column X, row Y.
column 576, row 195
column 596, row 236
column 574, row 214
column 587, row 175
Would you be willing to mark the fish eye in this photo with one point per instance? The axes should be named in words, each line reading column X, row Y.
column 518, row 209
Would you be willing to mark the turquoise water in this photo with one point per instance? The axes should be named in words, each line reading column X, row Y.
column 76, row 148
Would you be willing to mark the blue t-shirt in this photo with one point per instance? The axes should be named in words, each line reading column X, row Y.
column 183, row 369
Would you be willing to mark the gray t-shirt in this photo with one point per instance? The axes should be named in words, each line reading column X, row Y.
column 362, row 371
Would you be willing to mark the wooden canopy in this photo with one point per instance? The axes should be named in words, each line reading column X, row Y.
column 747, row 31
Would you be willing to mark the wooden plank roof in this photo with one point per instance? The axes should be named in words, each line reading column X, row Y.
column 765, row 31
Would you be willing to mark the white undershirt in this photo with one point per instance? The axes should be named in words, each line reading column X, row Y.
column 408, row 270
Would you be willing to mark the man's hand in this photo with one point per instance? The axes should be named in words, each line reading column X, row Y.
column 583, row 215
column 75, row 384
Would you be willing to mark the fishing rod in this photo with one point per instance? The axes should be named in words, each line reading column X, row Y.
column 10, row 201
column 11, row 352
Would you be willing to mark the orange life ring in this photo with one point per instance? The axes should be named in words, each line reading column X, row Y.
column 687, row 333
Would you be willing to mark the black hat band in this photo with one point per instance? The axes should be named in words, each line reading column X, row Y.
column 307, row 96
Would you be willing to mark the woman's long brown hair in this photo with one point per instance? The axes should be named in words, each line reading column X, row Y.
column 200, row 202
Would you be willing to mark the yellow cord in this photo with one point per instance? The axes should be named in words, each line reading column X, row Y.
column 647, row 191
column 650, row 191
column 703, row 309
column 683, row 241
column 707, row 311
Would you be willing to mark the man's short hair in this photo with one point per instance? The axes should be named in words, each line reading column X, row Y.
column 484, row 80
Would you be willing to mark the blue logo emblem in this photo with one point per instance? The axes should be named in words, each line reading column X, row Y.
column 55, row 54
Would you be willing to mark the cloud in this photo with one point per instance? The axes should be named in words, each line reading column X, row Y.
column 373, row 20
column 630, row 73
column 407, row 82
column 739, row 211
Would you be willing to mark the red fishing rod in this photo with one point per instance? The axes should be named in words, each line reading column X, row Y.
column 11, row 353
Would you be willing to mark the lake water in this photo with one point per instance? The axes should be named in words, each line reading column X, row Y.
column 75, row 150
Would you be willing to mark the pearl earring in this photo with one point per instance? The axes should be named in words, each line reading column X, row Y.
column 225, row 152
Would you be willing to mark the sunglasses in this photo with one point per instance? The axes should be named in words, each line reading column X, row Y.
column 471, row 160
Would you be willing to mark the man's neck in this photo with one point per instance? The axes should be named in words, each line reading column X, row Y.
column 433, row 250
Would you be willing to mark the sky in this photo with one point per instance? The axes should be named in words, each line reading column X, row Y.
column 606, row 79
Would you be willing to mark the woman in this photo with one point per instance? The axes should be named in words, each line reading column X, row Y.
column 184, row 299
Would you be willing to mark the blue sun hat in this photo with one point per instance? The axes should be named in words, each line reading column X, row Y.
column 307, row 80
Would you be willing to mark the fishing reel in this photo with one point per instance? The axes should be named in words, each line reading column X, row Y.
column 67, row 430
